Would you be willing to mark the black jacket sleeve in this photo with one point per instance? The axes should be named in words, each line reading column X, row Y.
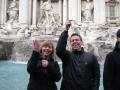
column 54, row 71
column 108, row 73
column 96, row 74
column 33, row 64
column 61, row 47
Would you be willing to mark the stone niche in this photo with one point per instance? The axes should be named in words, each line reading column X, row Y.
column 5, row 50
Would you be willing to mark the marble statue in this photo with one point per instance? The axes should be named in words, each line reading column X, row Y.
column 49, row 21
column 47, row 12
column 11, row 25
column 7, row 28
column 13, row 10
column 87, row 10
column 48, row 17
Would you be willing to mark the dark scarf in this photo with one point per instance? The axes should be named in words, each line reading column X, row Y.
column 78, row 52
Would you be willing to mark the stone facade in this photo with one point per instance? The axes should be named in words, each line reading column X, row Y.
column 29, row 11
column 20, row 20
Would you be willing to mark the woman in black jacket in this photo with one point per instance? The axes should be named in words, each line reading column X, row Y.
column 43, row 70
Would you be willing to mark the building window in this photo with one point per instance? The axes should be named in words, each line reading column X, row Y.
column 112, row 11
column 112, row 17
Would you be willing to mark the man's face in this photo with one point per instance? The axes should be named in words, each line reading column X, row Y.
column 75, row 43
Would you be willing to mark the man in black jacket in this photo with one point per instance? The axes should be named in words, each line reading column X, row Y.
column 80, row 69
column 111, row 75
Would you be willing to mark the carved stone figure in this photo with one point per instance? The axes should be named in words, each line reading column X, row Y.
column 49, row 21
column 48, row 17
column 47, row 12
column 7, row 28
column 13, row 11
column 87, row 10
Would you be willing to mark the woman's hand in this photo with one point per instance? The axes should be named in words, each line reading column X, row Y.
column 36, row 45
column 44, row 63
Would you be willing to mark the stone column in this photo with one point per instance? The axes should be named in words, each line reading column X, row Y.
column 23, row 11
column 73, row 9
column 65, row 10
column 61, row 10
column 3, row 11
column 0, row 11
column 30, row 12
column 78, row 11
column 34, row 17
column 99, row 11
column 41, row 2
column 118, row 10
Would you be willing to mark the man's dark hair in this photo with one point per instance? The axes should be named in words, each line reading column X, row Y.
column 76, row 34
column 118, row 33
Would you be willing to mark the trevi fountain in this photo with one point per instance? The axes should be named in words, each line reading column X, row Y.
column 23, row 24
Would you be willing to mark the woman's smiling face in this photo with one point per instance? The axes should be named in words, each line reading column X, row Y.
column 47, row 50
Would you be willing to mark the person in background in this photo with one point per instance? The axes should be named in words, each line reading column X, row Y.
column 43, row 69
column 111, row 74
column 80, row 69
